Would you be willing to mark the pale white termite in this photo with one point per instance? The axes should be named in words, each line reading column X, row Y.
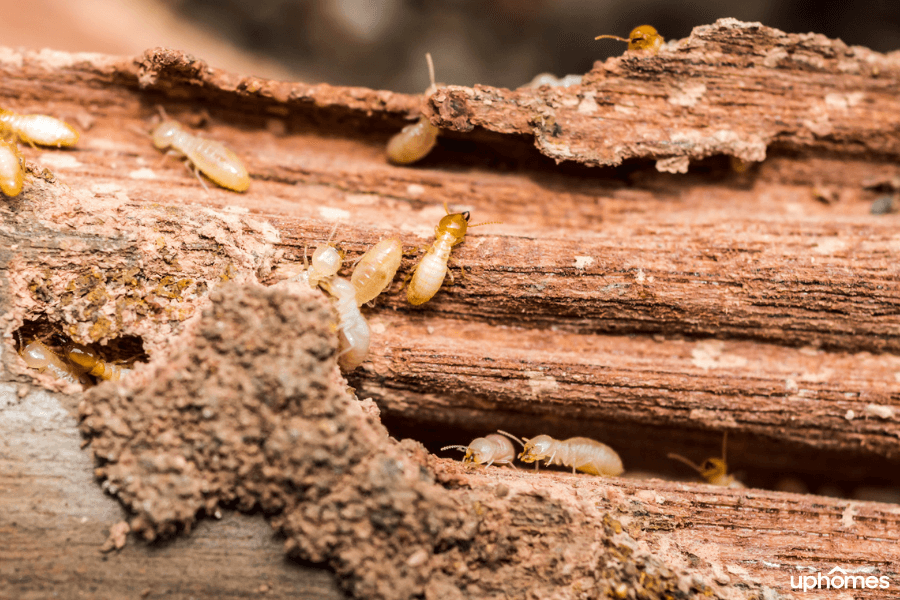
column 431, row 270
column 89, row 361
column 38, row 129
column 580, row 453
column 41, row 358
column 326, row 261
column 416, row 140
column 352, row 327
column 488, row 450
column 12, row 176
column 212, row 158
column 713, row 470
column 376, row 269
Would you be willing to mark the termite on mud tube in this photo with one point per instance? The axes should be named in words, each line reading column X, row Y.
column 12, row 175
column 431, row 270
column 580, row 453
column 212, row 158
column 416, row 140
column 353, row 330
column 488, row 450
column 713, row 470
column 42, row 130
column 643, row 38
column 376, row 269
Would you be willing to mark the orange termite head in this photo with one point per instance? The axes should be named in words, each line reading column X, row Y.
column 713, row 468
column 641, row 38
column 455, row 224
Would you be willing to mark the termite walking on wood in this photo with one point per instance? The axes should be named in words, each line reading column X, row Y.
column 713, row 470
column 430, row 273
column 580, row 453
column 488, row 450
column 376, row 269
column 415, row 141
column 212, row 158
column 643, row 38
column 12, row 175
column 42, row 130
column 353, row 329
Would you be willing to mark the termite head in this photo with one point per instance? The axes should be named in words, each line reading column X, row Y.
column 713, row 468
column 537, row 448
column 642, row 38
column 82, row 357
column 455, row 225
column 477, row 452
column 326, row 261
column 164, row 133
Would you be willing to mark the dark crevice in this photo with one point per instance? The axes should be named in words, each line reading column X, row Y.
column 759, row 462
column 122, row 351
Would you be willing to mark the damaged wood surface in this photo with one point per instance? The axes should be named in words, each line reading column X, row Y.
column 613, row 302
column 730, row 88
column 738, row 536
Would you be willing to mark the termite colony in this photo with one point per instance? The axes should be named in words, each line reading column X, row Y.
column 54, row 354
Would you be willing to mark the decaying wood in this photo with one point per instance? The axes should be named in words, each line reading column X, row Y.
column 656, row 309
column 730, row 88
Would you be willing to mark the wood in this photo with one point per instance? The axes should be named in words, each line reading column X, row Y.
column 55, row 517
column 658, row 309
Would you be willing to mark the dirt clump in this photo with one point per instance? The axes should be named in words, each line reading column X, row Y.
column 249, row 410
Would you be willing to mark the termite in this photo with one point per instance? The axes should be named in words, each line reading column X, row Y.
column 580, row 453
column 40, row 357
column 89, row 361
column 643, row 38
column 212, row 158
column 430, row 273
column 354, row 331
column 326, row 262
column 488, row 450
column 376, row 269
column 416, row 140
column 12, row 175
column 713, row 470
column 38, row 129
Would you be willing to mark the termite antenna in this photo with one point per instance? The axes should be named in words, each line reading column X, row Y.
column 611, row 37
column 433, row 87
column 463, row 448
column 446, row 208
column 331, row 235
column 511, row 436
column 686, row 461
column 162, row 112
column 486, row 223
